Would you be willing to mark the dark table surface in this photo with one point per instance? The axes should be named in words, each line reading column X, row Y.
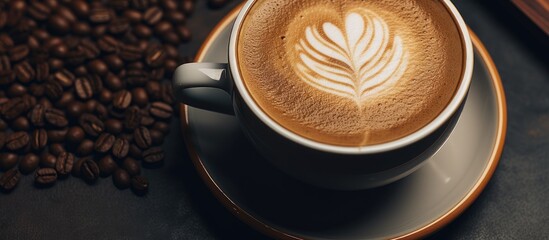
column 514, row 205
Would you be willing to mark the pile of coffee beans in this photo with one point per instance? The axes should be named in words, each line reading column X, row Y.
column 84, row 89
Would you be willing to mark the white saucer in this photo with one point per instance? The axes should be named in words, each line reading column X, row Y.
column 284, row 208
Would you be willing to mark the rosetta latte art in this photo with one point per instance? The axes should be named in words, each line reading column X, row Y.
column 356, row 62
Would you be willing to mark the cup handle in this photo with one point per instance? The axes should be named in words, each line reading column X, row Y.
column 204, row 85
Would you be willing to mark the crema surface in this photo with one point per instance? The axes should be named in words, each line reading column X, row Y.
column 350, row 73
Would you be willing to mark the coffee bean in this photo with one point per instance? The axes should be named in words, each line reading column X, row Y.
column 107, row 166
column 108, row 44
column 53, row 89
column 29, row 163
column 155, row 55
column 55, row 117
column 64, row 163
column 140, row 97
column 13, row 108
column 142, row 31
column 42, row 71
column 57, row 135
column 47, row 160
column 119, row 26
column 162, row 127
column 131, row 166
column 9, row 180
column 18, row 53
column 114, row 62
column 64, row 77
column 157, row 137
column 59, row 49
column 75, row 135
column 176, row 17
column 122, row 99
column 75, row 109
column 136, row 77
column 140, row 185
column 45, row 176
column 114, row 126
column 133, row 118
column 90, row 49
column 187, row 7
column 153, row 155
column 130, row 53
column 114, row 83
column 17, row 140
column 99, row 67
column 66, row 13
column 56, row 149
column 121, row 179
column 81, row 28
column 6, row 77
column 91, row 105
column 8, row 161
column 153, row 15
column 142, row 137
column 39, row 11
column 146, row 119
column 39, row 139
column 163, row 27
column 16, row 90
column 85, row 148
column 57, row 64
column 24, row 72
column 100, row 15
column 89, row 170
column 91, row 124
column 104, row 142
column 105, row 96
column 135, row 152
column 154, row 90
column 184, row 33
column 83, row 88
column 20, row 124
column 120, row 148
column 161, row 110
column 80, row 8
column 59, row 24
column 167, row 93
column 140, row 4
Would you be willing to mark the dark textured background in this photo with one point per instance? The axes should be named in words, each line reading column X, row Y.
column 514, row 205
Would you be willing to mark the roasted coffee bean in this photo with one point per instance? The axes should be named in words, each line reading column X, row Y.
column 5, row 63
column 91, row 105
column 114, row 62
column 66, row 99
column 59, row 49
column 75, row 109
column 18, row 53
column 157, row 137
column 137, row 77
column 66, row 13
column 140, row 4
column 120, row 148
column 154, row 90
column 153, row 15
column 57, row 135
column 89, row 170
column 142, row 31
column 91, row 124
column 122, row 99
column 162, row 127
column 176, row 17
column 9, row 180
column 90, row 49
column 131, row 166
column 64, row 163
column 155, row 55
column 47, row 160
column 39, row 11
column 42, row 71
column 167, row 93
column 108, row 44
column 119, row 26
column 105, row 96
column 132, row 15
column 99, row 31
column 64, row 77
column 163, row 27
column 80, row 7
column 44, row 101
column 56, row 64
column 8, row 161
column 17, row 140
column 133, row 118
column 100, row 15
column 55, row 117
column 29, row 163
column 104, row 142
column 146, row 119
column 53, row 89
column 118, row 4
column 107, row 166
column 130, row 53
column 99, row 67
column 16, row 90
column 56, row 149
column 142, row 137
column 187, row 6
column 39, row 139
column 59, row 24
column 13, row 108
column 169, row 5
column 184, row 33
column 161, row 110
column 140, row 185
column 85, row 148
column 114, row 83
column 75, row 135
column 153, row 155
column 121, row 179
column 135, row 152
column 83, row 88
column 140, row 97
column 116, row 113
column 171, row 65
column 20, row 124
column 30, row 101
column 24, row 72
column 81, row 28
column 114, row 126
column 6, row 77
column 45, row 176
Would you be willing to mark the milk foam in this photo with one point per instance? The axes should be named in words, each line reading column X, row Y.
column 350, row 72
column 355, row 62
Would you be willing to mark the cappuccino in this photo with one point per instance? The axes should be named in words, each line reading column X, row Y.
column 350, row 73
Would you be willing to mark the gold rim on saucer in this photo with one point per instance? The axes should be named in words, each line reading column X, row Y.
column 429, row 228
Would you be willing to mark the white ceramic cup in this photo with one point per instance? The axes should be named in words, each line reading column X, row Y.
column 220, row 87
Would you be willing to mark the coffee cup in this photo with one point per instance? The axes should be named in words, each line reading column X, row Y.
column 345, row 95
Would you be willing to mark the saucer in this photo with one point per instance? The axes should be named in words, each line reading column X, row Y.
column 284, row 208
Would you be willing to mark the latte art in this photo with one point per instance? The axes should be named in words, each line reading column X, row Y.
column 350, row 72
column 356, row 62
